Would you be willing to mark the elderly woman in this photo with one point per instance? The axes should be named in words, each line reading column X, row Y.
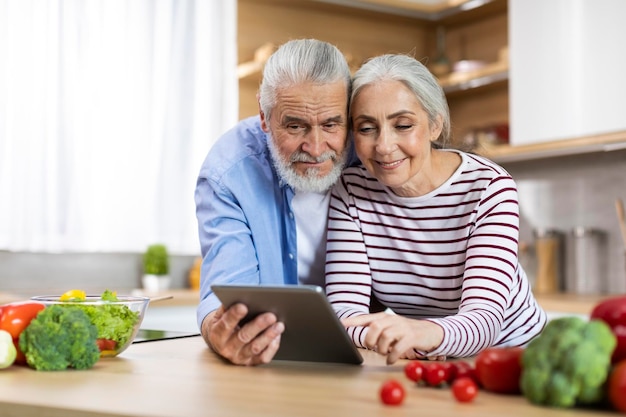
column 431, row 232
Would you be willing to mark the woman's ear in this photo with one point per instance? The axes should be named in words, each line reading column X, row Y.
column 436, row 128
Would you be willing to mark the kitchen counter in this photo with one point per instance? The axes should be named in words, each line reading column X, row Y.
column 562, row 303
column 182, row 378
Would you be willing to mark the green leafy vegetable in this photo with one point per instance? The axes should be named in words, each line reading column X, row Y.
column 60, row 337
column 113, row 321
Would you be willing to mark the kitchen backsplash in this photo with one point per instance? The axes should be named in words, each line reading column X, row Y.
column 575, row 191
column 35, row 272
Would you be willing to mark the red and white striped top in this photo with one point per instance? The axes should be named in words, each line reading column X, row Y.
column 449, row 256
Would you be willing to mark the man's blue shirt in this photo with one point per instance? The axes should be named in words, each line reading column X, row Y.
column 246, row 226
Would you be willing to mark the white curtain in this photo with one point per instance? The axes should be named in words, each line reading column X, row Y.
column 107, row 109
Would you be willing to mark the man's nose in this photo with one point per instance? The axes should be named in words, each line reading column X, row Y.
column 314, row 143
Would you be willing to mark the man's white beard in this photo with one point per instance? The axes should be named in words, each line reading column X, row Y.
column 310, row 181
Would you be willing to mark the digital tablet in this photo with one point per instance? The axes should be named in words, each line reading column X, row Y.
column 148, row 335
column 313, row 332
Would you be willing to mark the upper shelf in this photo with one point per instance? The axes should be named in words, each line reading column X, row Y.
column 606, row 142
column 433, row 11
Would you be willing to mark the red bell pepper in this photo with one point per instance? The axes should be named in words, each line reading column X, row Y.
column 14, row 317
column 613, row 312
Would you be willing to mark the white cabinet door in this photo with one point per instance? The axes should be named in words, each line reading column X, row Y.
column 567, row 68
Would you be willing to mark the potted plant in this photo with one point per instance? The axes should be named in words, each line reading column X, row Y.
column 156, row 268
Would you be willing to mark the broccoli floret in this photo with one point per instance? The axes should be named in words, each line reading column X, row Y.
column 568, row 363
column 59, row 338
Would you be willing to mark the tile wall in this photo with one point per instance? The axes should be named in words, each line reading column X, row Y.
column 567, row 192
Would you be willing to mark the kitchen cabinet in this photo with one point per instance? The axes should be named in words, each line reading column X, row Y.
column 477, row 100
column 567, row 72
column 359, row 33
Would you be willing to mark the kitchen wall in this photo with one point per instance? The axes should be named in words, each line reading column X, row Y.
column 562, row 193
column 34, row 273
column 571, row 191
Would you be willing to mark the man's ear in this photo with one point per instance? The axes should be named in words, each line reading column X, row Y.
column 264, row 123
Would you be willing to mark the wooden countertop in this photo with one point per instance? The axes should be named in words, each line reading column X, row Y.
column 182, row 378
column 561, row 303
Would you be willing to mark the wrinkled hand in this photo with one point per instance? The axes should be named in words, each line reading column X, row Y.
column 254, row 343
column 396, row 336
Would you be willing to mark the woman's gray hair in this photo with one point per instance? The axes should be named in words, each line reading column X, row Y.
column 300, row 61
column 416, row 77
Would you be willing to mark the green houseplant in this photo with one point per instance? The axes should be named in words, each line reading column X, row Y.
column 156, row 268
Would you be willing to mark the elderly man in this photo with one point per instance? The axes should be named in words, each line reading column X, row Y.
column 263, row 191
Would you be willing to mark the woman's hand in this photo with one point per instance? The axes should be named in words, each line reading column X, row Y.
column 254, row 343
column 396, row 336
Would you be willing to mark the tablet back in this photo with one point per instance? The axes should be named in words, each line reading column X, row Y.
column 313, row 332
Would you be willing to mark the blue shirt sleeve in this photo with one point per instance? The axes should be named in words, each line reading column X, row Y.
column 246, row 233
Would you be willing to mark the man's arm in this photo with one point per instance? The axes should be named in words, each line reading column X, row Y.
column 230, row 256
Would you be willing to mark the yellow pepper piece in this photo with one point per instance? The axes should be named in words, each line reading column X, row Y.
column 73, row 295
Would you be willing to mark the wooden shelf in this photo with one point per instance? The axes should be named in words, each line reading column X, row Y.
column 606, row 142
column 487, row 75
column 255, row 67
column 430, row 12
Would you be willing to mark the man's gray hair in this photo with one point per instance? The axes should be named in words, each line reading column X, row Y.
column 300, row 61
column 416, row 77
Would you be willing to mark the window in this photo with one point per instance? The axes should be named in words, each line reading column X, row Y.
column 107, row 110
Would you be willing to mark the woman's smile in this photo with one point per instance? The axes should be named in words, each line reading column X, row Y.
column 390, row 165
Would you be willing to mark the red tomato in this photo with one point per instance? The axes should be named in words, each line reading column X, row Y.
column 499, row 369
column 414, row 371
column 392, row 392
column 434, row 374
column 14, row 318
column 613, row 312
column 464, row 389
column 450, row 370
column 106, row 344
column 464, row 368
column 617, row 387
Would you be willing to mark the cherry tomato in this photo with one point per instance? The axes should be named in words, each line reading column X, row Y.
column 392, row 392
column 617, row 386
column 106, row 344
column 15, row 317
column 499, row 369
column 464, row 368
column 434, row 374
column 414, row 371
column 450, row 370
column 464, row 389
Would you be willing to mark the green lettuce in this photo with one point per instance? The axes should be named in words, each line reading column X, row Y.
column 113, row 321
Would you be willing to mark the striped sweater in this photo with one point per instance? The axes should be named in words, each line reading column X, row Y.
column 449, row 256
